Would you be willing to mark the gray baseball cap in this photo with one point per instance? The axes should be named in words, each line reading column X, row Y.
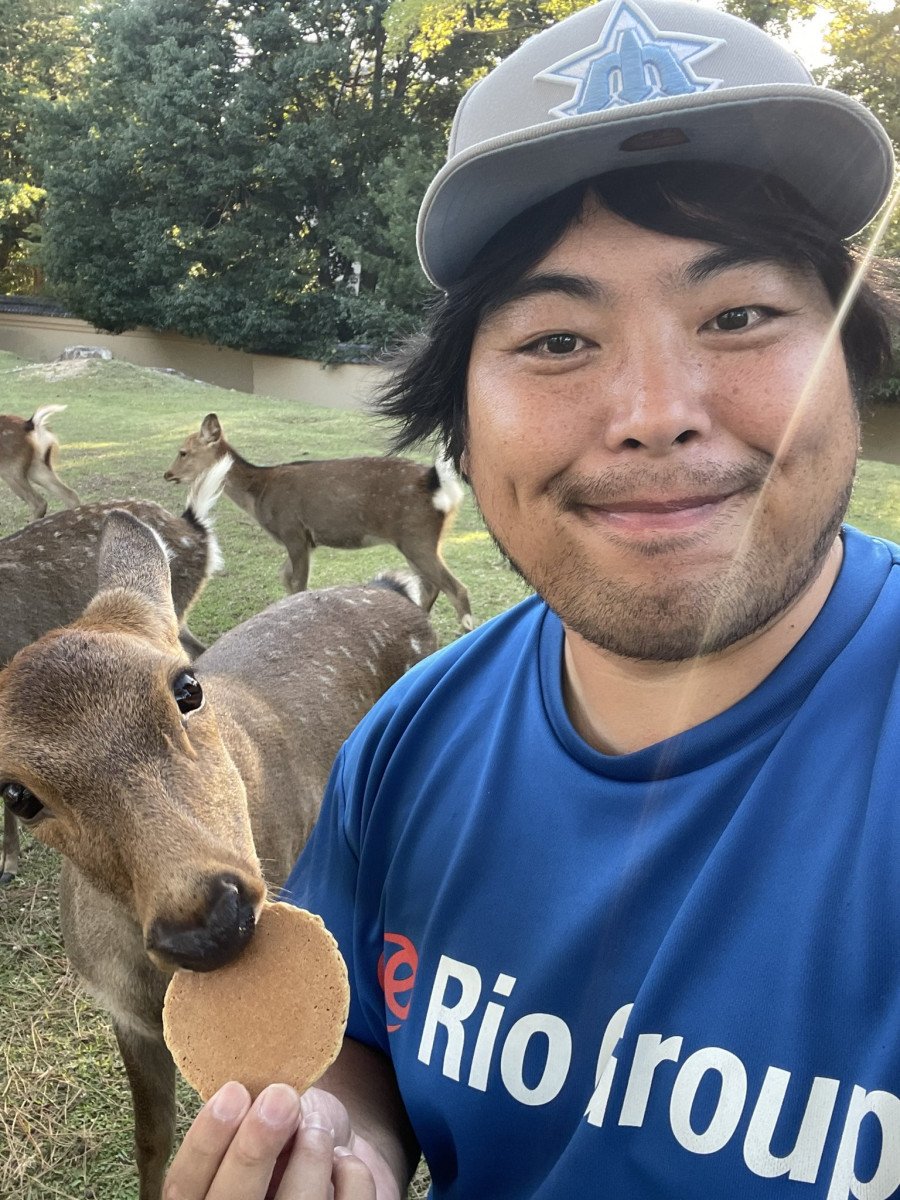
column 629, row 82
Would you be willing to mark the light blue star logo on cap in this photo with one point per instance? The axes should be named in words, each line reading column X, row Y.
column 632, row 61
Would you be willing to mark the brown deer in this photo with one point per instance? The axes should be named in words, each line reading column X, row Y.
column 346, row 503
column 48, row 574
column 178, row 793
column 27, row 451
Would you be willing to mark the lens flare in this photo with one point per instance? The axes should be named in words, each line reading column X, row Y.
column 807, row 395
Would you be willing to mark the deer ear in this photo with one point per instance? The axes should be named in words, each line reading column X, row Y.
column 210, row 430
column 133, row 556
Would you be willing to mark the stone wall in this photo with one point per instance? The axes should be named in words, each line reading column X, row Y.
column 42, row 338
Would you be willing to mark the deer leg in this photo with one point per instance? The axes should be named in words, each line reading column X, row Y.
column 438, row 577
column 295, row 572
column 191, row 645
column 44, row 476
column 9, row 859
column 17, row 479
column 151, row 1074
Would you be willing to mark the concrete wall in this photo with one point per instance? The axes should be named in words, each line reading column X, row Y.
column 42, row 338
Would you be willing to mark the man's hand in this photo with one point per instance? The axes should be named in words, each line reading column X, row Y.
column 282, row 1147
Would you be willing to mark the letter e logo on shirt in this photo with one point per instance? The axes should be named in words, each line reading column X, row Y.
column 397, row 975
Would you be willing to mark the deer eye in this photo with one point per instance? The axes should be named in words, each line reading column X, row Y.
column 187, row 692
column 20, row 802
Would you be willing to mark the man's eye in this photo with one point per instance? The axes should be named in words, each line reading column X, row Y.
column 557, row 344
column 740, row 318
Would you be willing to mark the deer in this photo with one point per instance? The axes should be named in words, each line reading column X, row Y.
column 48, row 574
column 27, row 451
column 346, row 503
column 180, row 793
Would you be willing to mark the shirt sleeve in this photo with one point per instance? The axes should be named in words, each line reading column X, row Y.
column 325, row 881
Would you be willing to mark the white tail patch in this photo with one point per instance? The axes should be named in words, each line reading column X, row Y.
column 43, row 436
column 406, row 581
column 449, row 495
column 44, row 413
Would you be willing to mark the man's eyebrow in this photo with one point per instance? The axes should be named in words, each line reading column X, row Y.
column 578, row 287
column 725, row 258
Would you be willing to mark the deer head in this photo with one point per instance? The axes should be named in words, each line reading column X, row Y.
column 111, row 754
column 198, row 452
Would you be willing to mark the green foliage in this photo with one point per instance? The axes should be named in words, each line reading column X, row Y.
column 230, row 162
column 240, row 171
column 865, row 63
column 864, row 44
column 40, row 55
column 775, row 16
column 198, row 183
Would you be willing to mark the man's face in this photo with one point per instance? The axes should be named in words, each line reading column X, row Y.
column 643, row 442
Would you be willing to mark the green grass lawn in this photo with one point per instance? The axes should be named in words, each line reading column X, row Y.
column 65, row 1123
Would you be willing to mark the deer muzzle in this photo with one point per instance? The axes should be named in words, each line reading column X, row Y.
column 218, row 936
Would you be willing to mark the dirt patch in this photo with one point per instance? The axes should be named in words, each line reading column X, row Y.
column 57, row 372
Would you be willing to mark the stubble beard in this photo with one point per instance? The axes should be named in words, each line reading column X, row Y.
column 678, row 619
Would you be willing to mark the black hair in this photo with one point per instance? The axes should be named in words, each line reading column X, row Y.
column 734, row 207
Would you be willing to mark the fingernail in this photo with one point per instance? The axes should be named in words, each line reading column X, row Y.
column 317, row 1120
column 341, row 1152
column 229, row 1102
column 277, row 1105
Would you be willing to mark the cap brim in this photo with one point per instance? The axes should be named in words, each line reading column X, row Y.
column 826, row 145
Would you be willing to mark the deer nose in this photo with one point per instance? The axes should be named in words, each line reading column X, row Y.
column 216, row 939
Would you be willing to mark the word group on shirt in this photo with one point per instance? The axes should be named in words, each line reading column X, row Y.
column 469, row 1022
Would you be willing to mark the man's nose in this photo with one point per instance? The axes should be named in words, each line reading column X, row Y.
column 657, row 401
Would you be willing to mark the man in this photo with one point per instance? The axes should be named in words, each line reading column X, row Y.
column 615, row 876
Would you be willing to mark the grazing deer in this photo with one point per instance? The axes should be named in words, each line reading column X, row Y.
column 48, row 574
column 27, row 451
column 346, row 503
column 178, row 792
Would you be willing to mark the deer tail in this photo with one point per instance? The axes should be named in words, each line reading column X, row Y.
column 42, row 437
column 42, row 415
column 448, row 493
column 405, row 583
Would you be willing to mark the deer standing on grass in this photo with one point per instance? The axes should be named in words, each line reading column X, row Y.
column 27, row 451
column 178, row 792
column 48, row 574
column 346, row 503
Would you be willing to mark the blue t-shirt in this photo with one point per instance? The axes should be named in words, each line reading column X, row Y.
column 667, row 974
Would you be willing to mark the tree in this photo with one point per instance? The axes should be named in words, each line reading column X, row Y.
column 40, row 55
column 863, row 42
column 865, row 63
column 230, row 164
column 775, row 16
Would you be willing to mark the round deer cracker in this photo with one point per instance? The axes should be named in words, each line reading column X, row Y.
column 275, row 1015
